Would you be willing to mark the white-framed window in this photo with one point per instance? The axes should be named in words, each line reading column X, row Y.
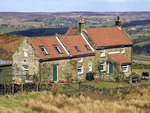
column 44, row 50
column 122, row 50
column 80, row 69
column 58, row 49
column 80, row 59
column 125, row 68
column 26, row 53
column 103, row 66
column 90, row 67
column 25, row 69
column 102, row 53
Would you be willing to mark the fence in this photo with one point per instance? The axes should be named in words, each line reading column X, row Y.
column 107, row 91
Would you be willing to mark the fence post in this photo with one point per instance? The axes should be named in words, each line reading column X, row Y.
column 4, row 88
column 102, row 90
column 80, row 86
column 22, row 88
column 37, row 87
column 13, row 88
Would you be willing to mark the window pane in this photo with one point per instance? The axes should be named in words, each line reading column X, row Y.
column 87, row 47
column 77, row 48
column 57, row 49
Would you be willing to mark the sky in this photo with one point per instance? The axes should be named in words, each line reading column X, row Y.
column 74, row 5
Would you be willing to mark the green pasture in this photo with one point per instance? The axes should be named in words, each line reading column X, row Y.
column 113, row 84
column 141, row 58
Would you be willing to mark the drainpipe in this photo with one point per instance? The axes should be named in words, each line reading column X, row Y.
column 39, row 78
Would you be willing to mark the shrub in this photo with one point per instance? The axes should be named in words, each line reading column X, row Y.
column 56, row 91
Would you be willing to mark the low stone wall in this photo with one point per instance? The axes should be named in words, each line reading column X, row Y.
column 107, row 91
column 140, row 66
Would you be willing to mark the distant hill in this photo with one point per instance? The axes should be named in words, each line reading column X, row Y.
column 143, row 47
column 40, row 32
column 137, row 22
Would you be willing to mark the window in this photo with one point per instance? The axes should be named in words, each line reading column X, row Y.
column 80, row 59
column 25, row 69
column 58, row 49
column 26, row 53
column 80, row 69
column 102, row 65
column 77, row 49
column 44, row 50
column 125, row 68
column 90, row 67
column 122, row 50
column 102, row 53
column 87, row 47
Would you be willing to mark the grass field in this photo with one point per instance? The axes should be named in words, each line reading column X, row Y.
column 141, row 58
column 114, row 84
column 133, row 101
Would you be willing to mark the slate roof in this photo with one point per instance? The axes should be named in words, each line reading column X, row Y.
column 121, row 58
column 72, row 31
column 48, row 43
column 108, row 36
column 75, row 40
column 3, row 62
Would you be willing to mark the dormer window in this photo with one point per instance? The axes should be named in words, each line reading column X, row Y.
column 87, row 47
column 77, row 48
column 122, row 50
column 58, row 49
column 102, row 53
column 44, row 50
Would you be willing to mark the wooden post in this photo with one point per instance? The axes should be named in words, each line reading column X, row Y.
column 80, row 86
column 22, row 87
column 4, row 88
column 13, row 88
column 37, row 87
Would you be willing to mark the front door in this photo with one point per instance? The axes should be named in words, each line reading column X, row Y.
column 110, row 67
column 55, row 73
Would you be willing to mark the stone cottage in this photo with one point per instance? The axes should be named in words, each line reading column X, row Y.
column 112, row 46
column 76, row 53
column 55, row 57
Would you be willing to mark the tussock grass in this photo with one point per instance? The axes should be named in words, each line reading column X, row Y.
column 61, row 103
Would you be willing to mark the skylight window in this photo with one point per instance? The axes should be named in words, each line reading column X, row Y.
column 58, row 49
column 44, row 50
column 87, row 47
column 77, row 49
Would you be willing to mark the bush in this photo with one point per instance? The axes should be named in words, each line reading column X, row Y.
column 56, row 91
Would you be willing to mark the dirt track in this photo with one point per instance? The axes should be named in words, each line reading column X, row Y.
column 101, row 96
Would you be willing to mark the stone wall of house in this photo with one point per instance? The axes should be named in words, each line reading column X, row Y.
column 30, row 60
column 105, row 58
column 64, row 66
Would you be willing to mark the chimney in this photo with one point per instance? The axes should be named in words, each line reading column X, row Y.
column 118, row 22
column 81, row 25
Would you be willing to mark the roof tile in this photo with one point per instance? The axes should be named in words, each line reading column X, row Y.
column 75, row 40
column 108, row 36
column 121, row 58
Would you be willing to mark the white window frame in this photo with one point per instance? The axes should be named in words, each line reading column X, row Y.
column 81, row 69
column 25, row 53
column 60, row 52
column 90, row 67
column 24, row 69
column 126, row 66
column 102, row 54
column 123, row 49
column 104, row 64
column 45, row 51
column 80, row 59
